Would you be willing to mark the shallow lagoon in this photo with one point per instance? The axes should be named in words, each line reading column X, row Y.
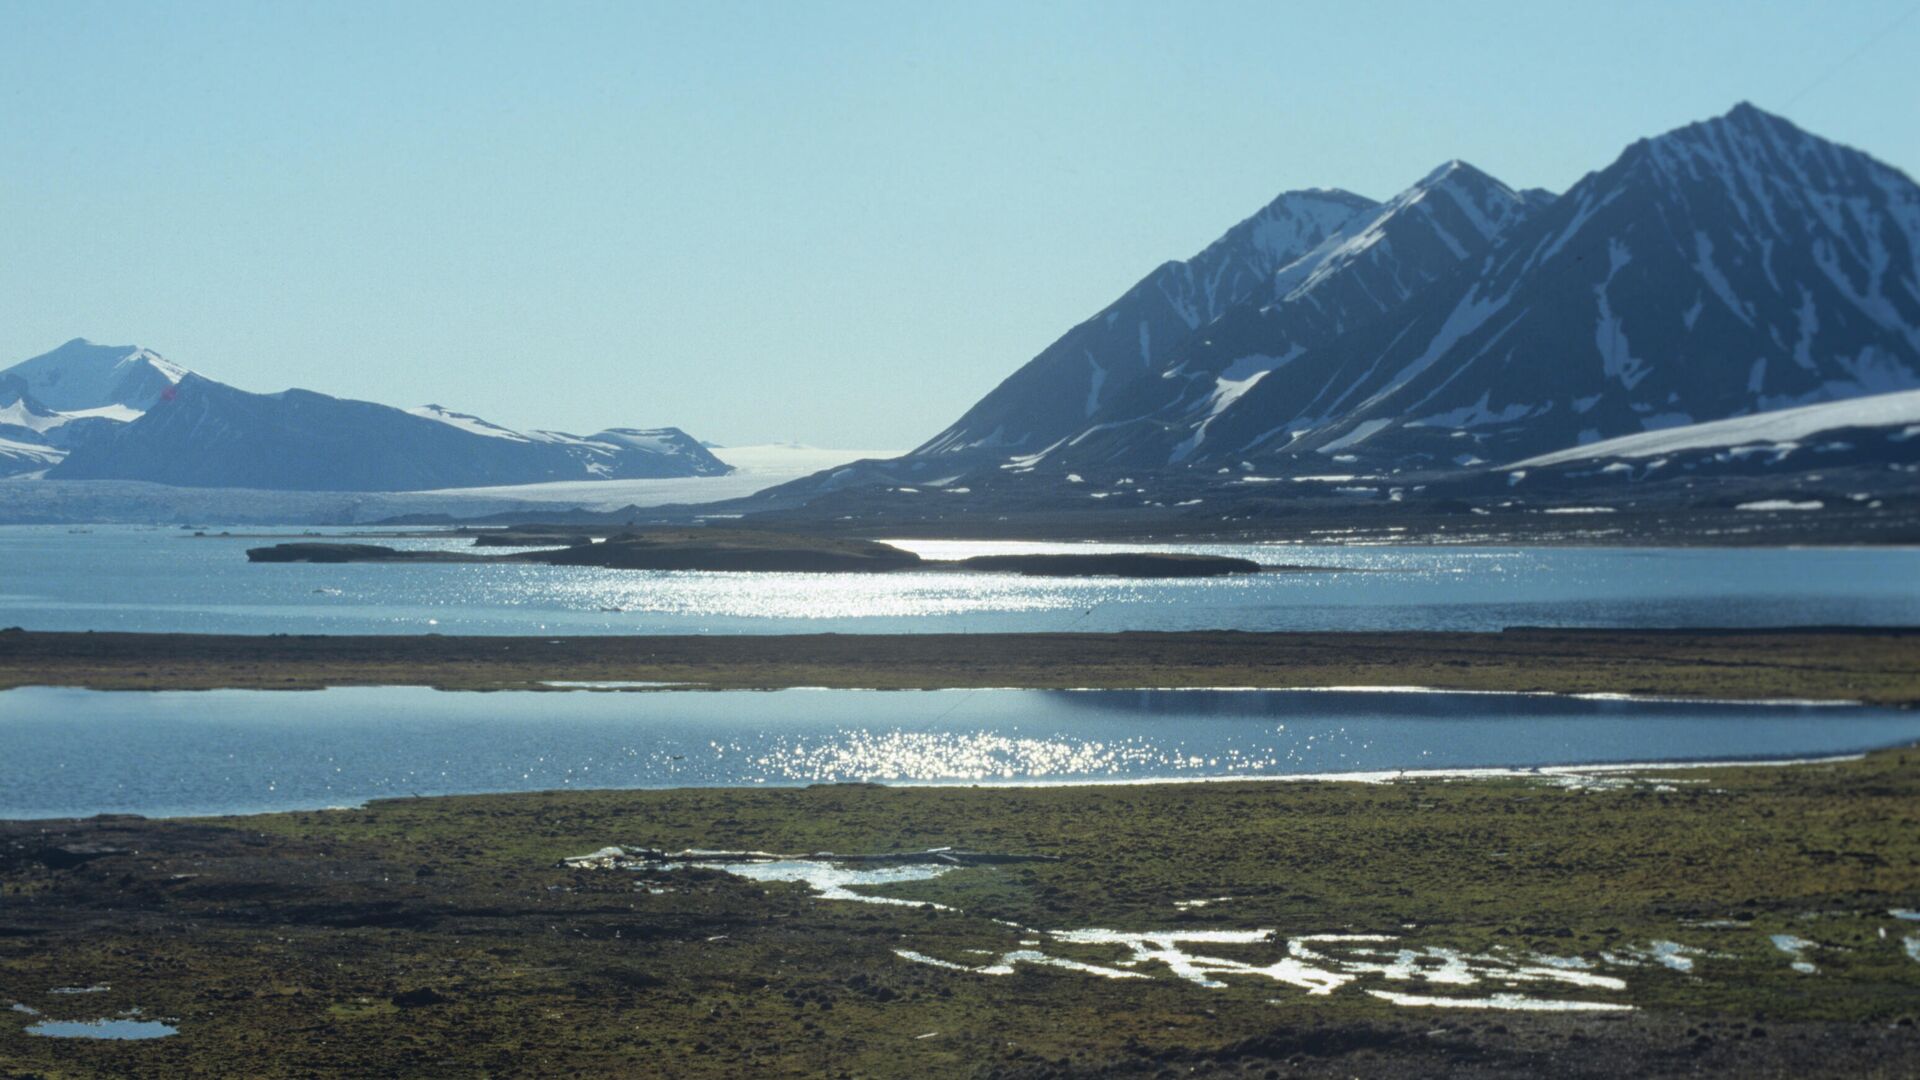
column 132, row 579
column 67, row 752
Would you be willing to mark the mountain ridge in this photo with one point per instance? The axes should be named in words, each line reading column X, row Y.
column 1728, row 267
column 134, row 415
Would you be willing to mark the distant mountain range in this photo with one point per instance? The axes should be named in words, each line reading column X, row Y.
column 109, row 412
column 1725, row 269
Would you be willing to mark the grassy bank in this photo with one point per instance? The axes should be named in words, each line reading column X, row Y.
column 443, row 936
column 1879, row 666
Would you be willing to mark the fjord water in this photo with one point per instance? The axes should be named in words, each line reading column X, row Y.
column 70, row 752
column 167, row 580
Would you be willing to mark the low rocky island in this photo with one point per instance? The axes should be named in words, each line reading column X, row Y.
column 751, row 551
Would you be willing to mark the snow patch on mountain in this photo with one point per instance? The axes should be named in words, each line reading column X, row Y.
column 467, row 422
column 1761, row 429
column 83, row 376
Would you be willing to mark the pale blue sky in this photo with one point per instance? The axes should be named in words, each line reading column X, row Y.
column 834, row 222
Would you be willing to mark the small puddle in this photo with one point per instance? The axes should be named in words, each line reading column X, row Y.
column 833, row 877
column 833, row 882
column 102, row 1029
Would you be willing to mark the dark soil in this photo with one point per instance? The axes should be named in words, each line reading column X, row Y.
column 1881, row 666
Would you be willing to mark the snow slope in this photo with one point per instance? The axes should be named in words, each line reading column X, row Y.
column 1777, row 428
column 756, row 468
column 83, row 376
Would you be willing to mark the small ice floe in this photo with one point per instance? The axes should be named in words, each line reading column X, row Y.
column 113, row 1028
column 98, row 988
column 23, row 1007
column 1796, row 947
column 1912, row 945
column 1189, row 905
column 1517, row 1002
column 1907, row 914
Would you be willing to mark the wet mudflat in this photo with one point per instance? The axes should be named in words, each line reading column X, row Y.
column 1307, row 928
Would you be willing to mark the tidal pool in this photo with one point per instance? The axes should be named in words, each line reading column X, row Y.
column 73, row 753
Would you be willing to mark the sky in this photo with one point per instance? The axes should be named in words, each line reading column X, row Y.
column 834, row 223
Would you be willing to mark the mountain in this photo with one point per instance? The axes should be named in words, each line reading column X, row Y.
column 78, row 392
column 94, row 412
column 613, row 454
column 208, row 434
column 1730, row 267
column 1725, row 269
column 1056, row 392
column 121, row 380
column 1361, row 275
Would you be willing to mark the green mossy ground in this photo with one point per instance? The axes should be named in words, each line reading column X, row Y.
column 280, row 942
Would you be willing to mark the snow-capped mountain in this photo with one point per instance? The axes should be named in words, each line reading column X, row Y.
column 118, row 381
column 1363, row 273
column 1056, row 393
column 124, row 413
column 79, row 391
column 1728, row 268
column 613, row 454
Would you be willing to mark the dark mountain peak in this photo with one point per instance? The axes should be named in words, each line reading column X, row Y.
column 1455, row 170
column 1092, row 364
column 1477, row 190
column 1293, row 222
column 1455, row 205
column 1749, row 148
